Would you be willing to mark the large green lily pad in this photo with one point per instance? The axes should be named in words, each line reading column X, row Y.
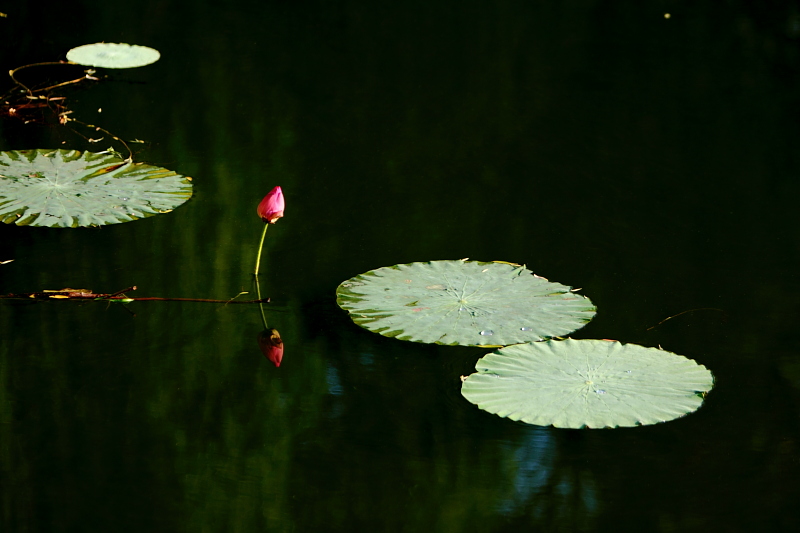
column 587, row 383
column 67, row 189
column 113, row 55
column 469, row 303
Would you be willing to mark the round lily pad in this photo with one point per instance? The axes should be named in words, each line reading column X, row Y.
column 67, row 189
column 470, row 303
column 587, row 383
column 113, row 55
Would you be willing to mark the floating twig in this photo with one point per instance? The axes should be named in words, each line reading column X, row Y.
column 45, row 63
column 119, row 297
column 683, row 313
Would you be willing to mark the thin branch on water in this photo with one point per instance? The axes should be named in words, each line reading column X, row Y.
column 119, row 296
column 683, row 313
column 97, row 128
column 45, row 63
column 61, row 111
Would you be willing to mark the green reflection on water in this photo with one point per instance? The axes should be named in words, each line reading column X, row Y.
column 653, row 164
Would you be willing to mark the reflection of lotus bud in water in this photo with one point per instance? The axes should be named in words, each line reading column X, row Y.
column 271, row 345
column 271, row 207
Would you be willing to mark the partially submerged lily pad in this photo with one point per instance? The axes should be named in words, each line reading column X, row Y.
column 587, row 383
column 470, row 303
column 113, row 55
column 67, row 189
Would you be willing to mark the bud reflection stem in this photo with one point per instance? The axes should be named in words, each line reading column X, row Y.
column 260, row 305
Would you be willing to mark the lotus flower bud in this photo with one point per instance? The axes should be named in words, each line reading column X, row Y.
column 271, row 207
column 271, row 345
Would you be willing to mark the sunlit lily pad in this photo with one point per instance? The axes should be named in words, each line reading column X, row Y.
column 113, row 55
column 67, row 189
column 470, row 303
column 587, row 383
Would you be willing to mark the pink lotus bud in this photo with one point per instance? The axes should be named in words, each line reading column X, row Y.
column 271, row 345
column 271, row 207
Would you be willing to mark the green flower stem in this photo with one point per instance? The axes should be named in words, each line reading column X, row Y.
column 258, row 285
column 261, row 305
column 260, row 246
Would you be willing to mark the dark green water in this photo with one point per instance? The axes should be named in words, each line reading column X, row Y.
column 651, row 161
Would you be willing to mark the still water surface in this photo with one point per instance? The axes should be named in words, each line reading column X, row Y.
column 651, row 161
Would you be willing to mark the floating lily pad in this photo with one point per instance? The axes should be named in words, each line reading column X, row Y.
column 113, row 55
column 67, row 189
column 587, row 383
column 470, row 303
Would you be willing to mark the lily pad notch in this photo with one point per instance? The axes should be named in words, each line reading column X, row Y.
column 461, row 302
column 587, row 384
column 68, row 188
